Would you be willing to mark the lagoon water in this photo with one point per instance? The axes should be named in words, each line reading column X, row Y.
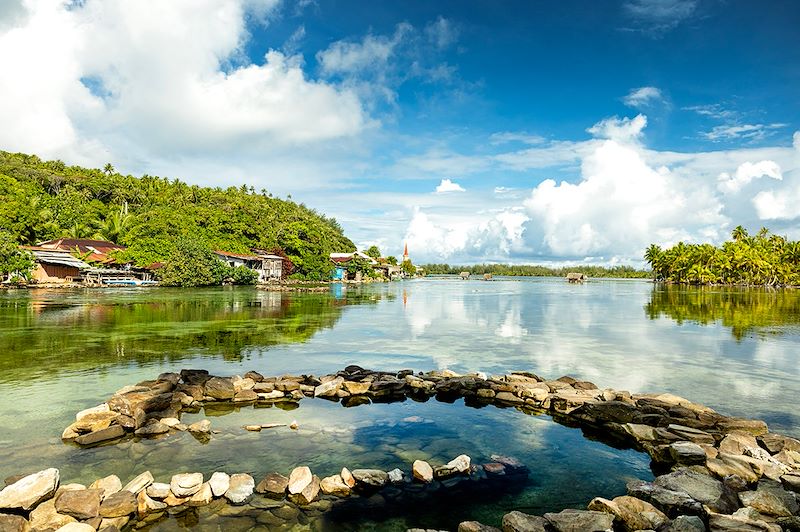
column 62, row 351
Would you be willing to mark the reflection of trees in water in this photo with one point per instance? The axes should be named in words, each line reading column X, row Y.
column 743, row 310
column 47, row 330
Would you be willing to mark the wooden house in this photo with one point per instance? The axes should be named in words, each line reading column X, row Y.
column 342, row 260
column 574, row 277
column 269, row 267
column 56, row 266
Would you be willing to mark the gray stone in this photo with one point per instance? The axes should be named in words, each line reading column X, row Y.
column 185, row 484
column 273, row 485
column 329, row 389
column 633, row 513
column 396, row 475
column 374, row 478
column 580, row 521
column 110, row 433
column 80, row 504
column 139, row 483
column 152, row 429
column 241, row 488
column 29, row 491
column 200, row 427
column 219, row 482
column 475, row 526
column 13, row 523
column 770, row 498
column 687, row 453
column 460, row 463
column 119, row 504
column 672, row 503
column 699, row 487
column 730, row 523
column 220, row 388
column 520, row 522
column 687, row 523
column 158, row 490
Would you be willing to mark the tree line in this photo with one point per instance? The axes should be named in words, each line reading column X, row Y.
column 763, row 259
column 42, row 200
column 533, row 270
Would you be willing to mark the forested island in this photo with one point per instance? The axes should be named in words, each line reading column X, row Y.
column 532, row 270
column 763, row 259
column 41, row 200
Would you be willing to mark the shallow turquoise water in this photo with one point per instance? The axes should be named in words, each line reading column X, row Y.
column 61, row 351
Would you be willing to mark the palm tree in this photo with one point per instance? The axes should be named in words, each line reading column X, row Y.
column 108, row 169
column 739, row 234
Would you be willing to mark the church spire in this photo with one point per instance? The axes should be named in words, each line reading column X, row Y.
column 405, row 252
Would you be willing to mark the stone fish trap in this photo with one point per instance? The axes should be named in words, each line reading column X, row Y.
column 713, row 471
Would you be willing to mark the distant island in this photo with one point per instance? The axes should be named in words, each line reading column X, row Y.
column 528, row 270
column 762, row 260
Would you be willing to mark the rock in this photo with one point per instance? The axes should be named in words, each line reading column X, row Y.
column 373, row 478
column 139, row 483
column 269, row 396
column 735, row 464
column 308, row 494
column 299, row 479
column 475, row 526
column 171, row 422
column 508, row 397
column 691, row 434
column 80, row 504
column 107, row 485
column 240, row 489
column 687, row 453
column 789, row 523
column 245, row 396
column 640, row 433
column 219, row 388
column 520, row 522
column 730, row 523
column 580, row 521
column 200, row 427
column 30, row 490
column 737, row 442
column 672, row 503
column 686, row 523
column 119, row 504
column 422, row 470
column 13, row 523
column 770, row 498
column 254, row 376
column 293, row 425
column 158, row 490
column 111, row 433
column 172, row 500
column 459, row 463
column 45, row 517
column 94, row 421
column 145, row 505
column 606, row 411
column 185, row 484
column 635, row 514
column 93, row 410
column 348, row 478
column 334, row 485
column 113, row 524
column 699, row 487
column 203, row 496
column 396, row 475
column 329, row 389
column 756, row 427
column 219, row 483
column 152, row 429
column 253, row 428
column 76, row 527
column 273, row 486
column 775, row 443
column 356, row 388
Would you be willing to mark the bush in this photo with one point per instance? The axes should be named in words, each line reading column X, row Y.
column 192, row 263
column 14, row 261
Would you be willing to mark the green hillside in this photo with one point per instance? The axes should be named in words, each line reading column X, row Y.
column 41, row 200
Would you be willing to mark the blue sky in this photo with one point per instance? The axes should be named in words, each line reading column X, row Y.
column 476, row 131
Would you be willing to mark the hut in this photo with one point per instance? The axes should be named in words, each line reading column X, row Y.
column 56, row 266
column 464, row 275
column 342, row 260
column 267, row 266
column 575, row 277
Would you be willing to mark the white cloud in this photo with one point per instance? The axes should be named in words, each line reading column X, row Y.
column 513, row 136
column 442, row 32
column 747, row 172
column 655, row 17
column 643, row 97
column 620, row 129
column 371, row 53
column 447, row 185
column 132, row 81
column 741, row 131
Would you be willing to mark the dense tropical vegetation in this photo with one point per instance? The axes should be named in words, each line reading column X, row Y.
column 761, row 260
column 192, row 264
column 532, row 270
column 744, row 310
column 41, row 200
column 15, row 264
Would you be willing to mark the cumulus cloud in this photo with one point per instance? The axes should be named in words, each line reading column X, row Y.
column 372, row 52
column 447, row 185
column 620, row 129
column 138, row 80
column 643, row 97
column 747, row 172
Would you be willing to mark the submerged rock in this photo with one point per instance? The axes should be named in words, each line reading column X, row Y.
column 521, row 522
column 580, row 521
column 475, row 526
column 373, row 478
column 29, row 491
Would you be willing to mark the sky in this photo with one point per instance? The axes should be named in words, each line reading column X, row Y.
column 509, row 131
